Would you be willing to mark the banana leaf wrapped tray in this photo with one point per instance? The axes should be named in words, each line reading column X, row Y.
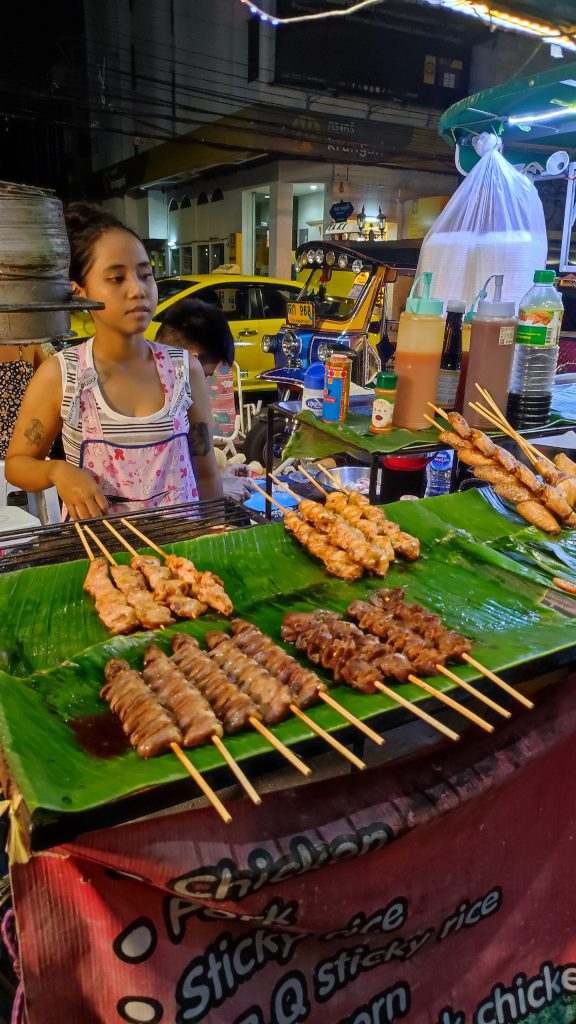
column 53, row 650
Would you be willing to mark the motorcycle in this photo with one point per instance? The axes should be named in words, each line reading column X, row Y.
column 341, row 308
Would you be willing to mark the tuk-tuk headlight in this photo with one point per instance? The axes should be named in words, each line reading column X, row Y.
column 290, row 345
column 311, row 256
column 270, row 343
column 357, row 266
column 342, row 261
column 325, row 350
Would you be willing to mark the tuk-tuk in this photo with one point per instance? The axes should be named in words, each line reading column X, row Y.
column 341, row 306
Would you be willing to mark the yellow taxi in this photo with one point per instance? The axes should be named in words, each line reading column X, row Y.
column 254, row 306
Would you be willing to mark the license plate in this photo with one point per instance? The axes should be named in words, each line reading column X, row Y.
column 300, row 314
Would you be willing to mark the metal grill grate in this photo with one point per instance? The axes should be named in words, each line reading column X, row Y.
column 47, row 545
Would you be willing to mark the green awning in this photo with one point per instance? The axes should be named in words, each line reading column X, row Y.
column 545, row 103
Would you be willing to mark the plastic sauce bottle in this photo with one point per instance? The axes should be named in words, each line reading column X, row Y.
column 535, row 353
column 313, row 393
column 383, row 405
column 418, row 351
column 451, row 359
column 336, row 388
column 491, row 353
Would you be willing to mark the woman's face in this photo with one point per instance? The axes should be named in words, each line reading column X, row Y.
column 121, row 277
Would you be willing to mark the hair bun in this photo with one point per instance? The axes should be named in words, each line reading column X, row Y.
column 82, row 215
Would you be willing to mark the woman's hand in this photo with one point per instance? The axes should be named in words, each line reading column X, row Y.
column 78, row 490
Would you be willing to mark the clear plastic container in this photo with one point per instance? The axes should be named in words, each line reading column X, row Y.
column 535, row 353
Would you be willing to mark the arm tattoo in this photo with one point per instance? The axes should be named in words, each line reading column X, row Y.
column 199, row 435
column 34, row 432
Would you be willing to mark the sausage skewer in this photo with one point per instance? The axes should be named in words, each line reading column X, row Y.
column 259, row 683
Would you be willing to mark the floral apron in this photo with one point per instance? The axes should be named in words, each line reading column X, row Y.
column 143, row 476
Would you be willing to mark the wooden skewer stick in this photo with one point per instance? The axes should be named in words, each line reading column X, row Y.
column 499, row 415
column 102, row 547
column 236, row 769
column 499, row 682
column 439, row 411
column 433, row 422
column 119, row 537
column 279, row 746
column 313, row 480
column 495, row 408
column 475, row 719
column 339, row 747
column 202, row 784
column 419, row 712
column 268, row 496
column 356, row 722
column 334, row 479
column 147, row 541
column 475, row 693
column 505, row 429
column 280, row 483
column 85, row 543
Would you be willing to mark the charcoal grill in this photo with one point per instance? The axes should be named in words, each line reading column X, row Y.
column 47, row 545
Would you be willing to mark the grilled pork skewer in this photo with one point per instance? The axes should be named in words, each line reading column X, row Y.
column 146, row 723
column 168, row 589
column 151, row 614
column 402, row 543
column 233, row 707
column 206, row 586
column 111, row 605
column 192, row 712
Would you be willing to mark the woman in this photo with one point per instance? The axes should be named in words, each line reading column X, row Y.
column 17, row 366
column 135, row 416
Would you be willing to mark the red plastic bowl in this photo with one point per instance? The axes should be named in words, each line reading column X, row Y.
column 407, row 463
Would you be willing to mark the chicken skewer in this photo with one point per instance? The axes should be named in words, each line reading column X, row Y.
column 539, row 503
column 205, row 586
column 370, row 555
column 166, row 588
column 336, row 561
column 149, row 612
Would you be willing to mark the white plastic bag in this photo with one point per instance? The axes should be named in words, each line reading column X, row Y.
column 493, row 224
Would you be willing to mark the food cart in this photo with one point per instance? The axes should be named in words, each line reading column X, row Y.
column 419, row 878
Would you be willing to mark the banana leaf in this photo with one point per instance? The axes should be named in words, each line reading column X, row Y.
column 55, row 649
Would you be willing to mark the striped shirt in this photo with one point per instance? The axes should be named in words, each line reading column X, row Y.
column 117, row 429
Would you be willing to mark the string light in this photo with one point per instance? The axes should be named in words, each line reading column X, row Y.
column 492, row 16
column 273, row 20
column 497, row 18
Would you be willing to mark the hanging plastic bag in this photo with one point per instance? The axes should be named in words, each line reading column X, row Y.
column 493, row 224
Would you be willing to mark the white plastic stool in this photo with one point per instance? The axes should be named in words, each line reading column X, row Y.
column 44, row 505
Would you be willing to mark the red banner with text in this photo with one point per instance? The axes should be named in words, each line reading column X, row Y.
column 436, row 893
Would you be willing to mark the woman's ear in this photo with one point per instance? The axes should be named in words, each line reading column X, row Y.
column 78, row 290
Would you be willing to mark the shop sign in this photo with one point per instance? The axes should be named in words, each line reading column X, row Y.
column 436, row 894
column 340, row 212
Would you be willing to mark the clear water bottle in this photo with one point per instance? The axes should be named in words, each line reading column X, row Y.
column 535, row 353
column 439, row 474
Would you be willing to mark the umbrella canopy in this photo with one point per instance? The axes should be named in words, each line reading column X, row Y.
column 534, row 115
